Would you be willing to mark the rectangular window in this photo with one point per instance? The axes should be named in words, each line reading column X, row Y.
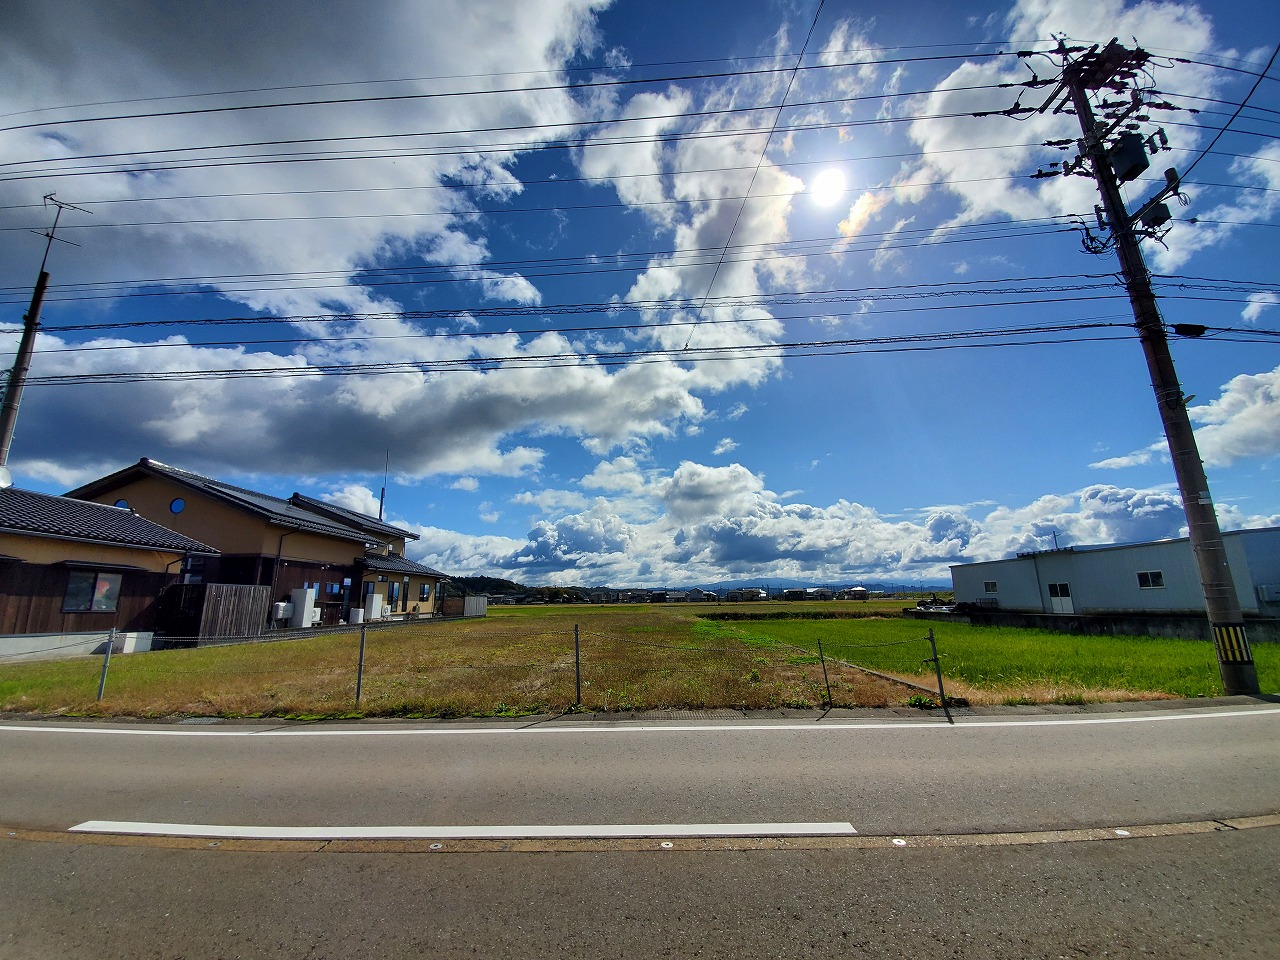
column 1151, row 579
column 91, row 592
column 989, row 586
column 1060, row 590
column 333, row 591
column 424, row 591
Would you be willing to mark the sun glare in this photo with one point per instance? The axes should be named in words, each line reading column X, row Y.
column 827, row 187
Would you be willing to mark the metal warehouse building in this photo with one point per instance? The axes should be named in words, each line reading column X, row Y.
column 1139, row 579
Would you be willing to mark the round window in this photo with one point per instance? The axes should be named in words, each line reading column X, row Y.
column 178, row 505
column 124, row 504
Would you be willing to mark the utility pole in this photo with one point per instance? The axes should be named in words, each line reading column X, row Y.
column 26, row 345
column 1116, row 154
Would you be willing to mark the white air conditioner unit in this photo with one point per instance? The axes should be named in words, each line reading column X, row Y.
column 282, row 611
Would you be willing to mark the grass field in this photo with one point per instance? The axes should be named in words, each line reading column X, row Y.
column 1003, row 665
column 520, row 661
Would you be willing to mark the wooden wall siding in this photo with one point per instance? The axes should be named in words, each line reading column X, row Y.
column 214, row 610
column 31, row 597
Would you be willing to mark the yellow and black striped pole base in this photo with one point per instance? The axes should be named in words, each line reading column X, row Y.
column 1235, row 659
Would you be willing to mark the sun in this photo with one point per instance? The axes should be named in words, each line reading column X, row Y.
column 827, row 187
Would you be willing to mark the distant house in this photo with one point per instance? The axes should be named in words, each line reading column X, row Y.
column 1144, row 580
column 70, row 567
column 347, row 560
column 808, row 593
column 853, row 593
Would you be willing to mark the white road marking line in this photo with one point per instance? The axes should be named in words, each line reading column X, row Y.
column 503, row 832
column 627, row 727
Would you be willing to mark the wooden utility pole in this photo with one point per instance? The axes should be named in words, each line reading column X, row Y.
column 26, row 346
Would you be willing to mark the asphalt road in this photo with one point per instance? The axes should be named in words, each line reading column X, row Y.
column 1135, row 833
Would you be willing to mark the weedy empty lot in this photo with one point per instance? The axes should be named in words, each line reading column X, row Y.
column 521, row 660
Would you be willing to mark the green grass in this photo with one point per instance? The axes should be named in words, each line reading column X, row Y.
column 520, row 661
column 1014, row 663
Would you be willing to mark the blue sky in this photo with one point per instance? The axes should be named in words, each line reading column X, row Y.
column 565, row 263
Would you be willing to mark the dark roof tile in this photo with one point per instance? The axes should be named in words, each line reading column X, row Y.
column 41, row 514
column 397, row 564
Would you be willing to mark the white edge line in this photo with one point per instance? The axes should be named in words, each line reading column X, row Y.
column 588, row 726
column 500, row 832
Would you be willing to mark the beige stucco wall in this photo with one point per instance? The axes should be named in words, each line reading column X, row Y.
column 409, row 597
column 49, row 550
column 226, row 528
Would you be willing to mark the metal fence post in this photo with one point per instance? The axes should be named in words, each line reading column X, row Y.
column 577, row 668
column 360, row 666
column 942, row 695
column 106, row 662
column 822, row 657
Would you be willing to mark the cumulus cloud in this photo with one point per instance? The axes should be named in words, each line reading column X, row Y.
column 355, row 497
column 1004, row 189
column 1215, row 224
column 705, row 524
column 383, row 195
column 1242, row 423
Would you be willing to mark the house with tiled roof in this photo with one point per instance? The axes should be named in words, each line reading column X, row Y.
column 354, row 564
column 71, row 567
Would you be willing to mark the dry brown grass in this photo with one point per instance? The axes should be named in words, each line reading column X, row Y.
column 512, row 663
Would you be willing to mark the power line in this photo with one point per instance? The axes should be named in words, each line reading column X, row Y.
column 865, row 243
column 996, row 336
column 448, row 94
column 460, row 150
column 1218, row 136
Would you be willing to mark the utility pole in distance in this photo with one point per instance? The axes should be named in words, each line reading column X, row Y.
column 1116, row 154
column 26, row 345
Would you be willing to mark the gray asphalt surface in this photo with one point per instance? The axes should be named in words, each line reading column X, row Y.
column 1198, row 894
column 1187, row 897
column 993, row 773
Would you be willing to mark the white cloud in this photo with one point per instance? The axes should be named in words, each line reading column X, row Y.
column 470, row 484
column 705, row 524
column 1221, row 222
column 1258, row 303
column 551, row 501
column 1242, row 423
column 1137, row 458
column 726, row 445
column 355, row 497
column 1004, row 188
column 339, row 217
